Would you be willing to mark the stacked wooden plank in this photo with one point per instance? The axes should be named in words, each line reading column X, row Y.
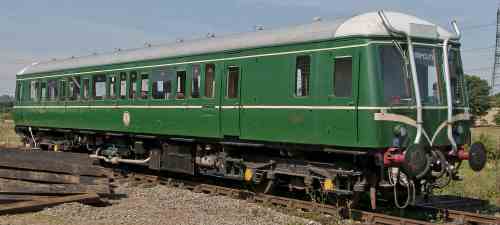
column 33, row 179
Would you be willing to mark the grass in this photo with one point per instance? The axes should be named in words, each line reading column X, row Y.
column 8, row 136
column 483, row 185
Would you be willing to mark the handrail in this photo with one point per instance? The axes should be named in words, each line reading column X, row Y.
column 413, row 67
column 449, row 99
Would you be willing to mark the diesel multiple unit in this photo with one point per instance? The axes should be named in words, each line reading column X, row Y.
column 372, row 103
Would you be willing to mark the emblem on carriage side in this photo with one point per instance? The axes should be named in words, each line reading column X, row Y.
column 126, row 118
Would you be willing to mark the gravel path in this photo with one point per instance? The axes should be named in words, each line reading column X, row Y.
column 159, row 205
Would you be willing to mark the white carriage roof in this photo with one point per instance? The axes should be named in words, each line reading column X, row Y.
column 368, row 24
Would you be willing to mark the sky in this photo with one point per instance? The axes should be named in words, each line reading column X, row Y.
column 37, row 30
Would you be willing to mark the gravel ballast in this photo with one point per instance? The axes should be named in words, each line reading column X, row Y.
column 159, row 205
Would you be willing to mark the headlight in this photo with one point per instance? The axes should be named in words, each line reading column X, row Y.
column 400, row 131
column 459, row 130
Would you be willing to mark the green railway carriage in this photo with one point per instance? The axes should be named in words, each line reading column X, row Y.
column 339, row 101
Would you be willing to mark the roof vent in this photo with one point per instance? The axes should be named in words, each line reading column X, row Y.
column 259, row 27
column 317, row 19
column 73, row 57
column 147, row 45
column 210, row 35
column 54, row 59
column 180, row 40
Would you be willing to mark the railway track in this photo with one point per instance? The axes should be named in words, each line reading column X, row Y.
column 448, row 216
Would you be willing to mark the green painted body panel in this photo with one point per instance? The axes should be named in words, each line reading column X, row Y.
column 263, row 81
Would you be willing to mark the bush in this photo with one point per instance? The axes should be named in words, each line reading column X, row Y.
column 497, row 119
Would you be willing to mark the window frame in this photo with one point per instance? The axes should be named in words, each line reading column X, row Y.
column 74, row 96
column 133, row 77
column 149, row 84
column 213, row 79
column 122, row 77
column 309, row 76
column 164, row 74
column 86, row 87
column 179, row 85
column 334, row 76
column 196, row 70
column 237, row 92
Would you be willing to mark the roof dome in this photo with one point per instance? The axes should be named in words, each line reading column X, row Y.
column 370, row 24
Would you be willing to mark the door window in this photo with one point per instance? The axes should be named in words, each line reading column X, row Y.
column 209, row 80
column 302, row 71
column 342, row 84
column 232, row 82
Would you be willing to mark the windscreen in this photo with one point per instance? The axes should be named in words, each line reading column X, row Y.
column 429, row 73
column 396, row 80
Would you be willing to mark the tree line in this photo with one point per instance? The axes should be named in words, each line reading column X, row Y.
column 6, row 103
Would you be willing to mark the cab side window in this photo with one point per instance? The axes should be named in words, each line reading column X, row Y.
column 342, row 74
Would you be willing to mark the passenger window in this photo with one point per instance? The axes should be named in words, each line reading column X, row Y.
column 34, row 90
column 52, row 87
column 86, row 89
column 162, row 84
column 209, row 80
column 144, row 86
column 181, row 84
column 62, row 90
column 232, row 82
column 303, row 65
column 343, row 77
column 74, row 88
column 123, row 85
column 18, row 91
column 99, row 87
column 195, row 87
column 133, row 85
column 43, row 91
column 112, row 87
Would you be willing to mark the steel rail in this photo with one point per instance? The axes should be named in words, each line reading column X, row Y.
column 366, row 217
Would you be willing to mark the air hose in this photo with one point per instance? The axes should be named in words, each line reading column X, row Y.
column 401, row 178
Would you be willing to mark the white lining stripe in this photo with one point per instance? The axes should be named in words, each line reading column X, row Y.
column 231, row 107
column 111, row 107
column 221, row 59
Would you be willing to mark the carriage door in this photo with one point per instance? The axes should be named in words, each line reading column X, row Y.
column 231, row 100
column 343, row 95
